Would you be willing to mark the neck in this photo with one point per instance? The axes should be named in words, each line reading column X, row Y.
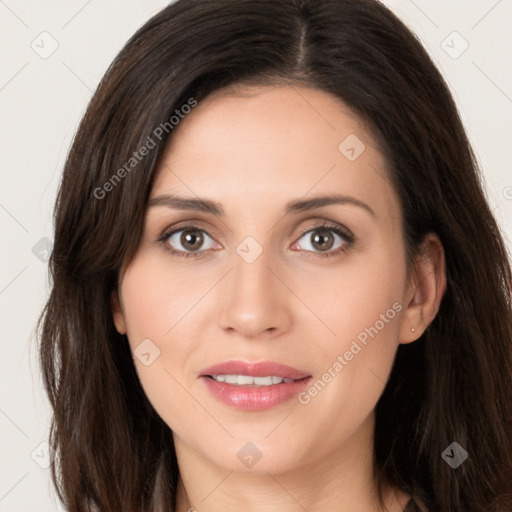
column 342, row 481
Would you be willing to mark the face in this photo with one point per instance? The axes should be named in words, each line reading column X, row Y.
column 270, row 274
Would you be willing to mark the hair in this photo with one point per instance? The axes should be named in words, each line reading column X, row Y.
column 113, row 451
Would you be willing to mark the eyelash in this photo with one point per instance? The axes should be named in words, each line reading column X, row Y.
column 325, row 225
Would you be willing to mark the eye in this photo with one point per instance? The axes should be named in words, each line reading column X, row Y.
column 187, row 241
column 325, row 240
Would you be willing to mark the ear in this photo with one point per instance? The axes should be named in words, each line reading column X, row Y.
column 425, row 290
column 117, row 313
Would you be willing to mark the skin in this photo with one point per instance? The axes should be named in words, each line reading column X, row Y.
column 253, row 152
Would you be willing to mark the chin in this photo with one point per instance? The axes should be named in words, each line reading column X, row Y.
column 257, row 456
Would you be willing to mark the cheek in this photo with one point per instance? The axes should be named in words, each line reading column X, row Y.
column 362, row 308
column 154, row 299
column 152, row 307
column 363, row 294
column 158, row 305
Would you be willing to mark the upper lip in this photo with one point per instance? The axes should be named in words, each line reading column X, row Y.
column 256, row 369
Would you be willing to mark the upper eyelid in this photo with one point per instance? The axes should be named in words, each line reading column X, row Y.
column 321, row 223
column 194, row 224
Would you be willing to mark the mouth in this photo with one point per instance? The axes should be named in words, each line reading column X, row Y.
column 250, row 380
column 254, row 386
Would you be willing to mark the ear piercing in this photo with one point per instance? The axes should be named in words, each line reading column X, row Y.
column 412, row 329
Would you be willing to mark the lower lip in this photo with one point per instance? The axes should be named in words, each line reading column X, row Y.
column 254, row 398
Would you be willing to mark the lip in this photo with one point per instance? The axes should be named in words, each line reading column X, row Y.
column 250, row 397
column 256, row 369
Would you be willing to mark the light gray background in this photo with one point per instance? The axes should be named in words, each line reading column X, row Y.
column 42, row 98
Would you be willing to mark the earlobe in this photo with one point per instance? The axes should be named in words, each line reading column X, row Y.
column 117, row 313
column 426, row 291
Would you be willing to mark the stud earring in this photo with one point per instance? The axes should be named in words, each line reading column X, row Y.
column 412, row 329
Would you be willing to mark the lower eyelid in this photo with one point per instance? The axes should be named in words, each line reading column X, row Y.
column 348, row 240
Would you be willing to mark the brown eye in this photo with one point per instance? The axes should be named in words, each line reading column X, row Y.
column 189, row 240
column 322, row 239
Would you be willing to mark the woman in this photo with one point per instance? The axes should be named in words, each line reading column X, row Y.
column 276, row 280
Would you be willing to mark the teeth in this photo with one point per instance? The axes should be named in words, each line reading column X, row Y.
column 249, row 380
column 243, row 380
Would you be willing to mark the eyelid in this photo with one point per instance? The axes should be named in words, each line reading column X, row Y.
column 191, row 224
column 317, row 224
column 329, row 225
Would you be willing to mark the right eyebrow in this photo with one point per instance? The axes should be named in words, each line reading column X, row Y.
column 180, row 203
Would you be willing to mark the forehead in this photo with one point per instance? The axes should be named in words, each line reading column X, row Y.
column 271, row 144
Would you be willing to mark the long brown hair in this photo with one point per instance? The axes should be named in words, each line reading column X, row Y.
column 113, row 451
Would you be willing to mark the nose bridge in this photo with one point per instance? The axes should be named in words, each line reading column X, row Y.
column 252, row 276
column 251, row 302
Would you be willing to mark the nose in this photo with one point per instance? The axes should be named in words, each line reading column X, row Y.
column 254, row 302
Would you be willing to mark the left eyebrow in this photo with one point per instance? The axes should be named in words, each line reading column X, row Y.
column 293, row 207
column 318, row 202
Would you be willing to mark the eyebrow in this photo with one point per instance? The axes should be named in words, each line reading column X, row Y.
column 215, row 208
